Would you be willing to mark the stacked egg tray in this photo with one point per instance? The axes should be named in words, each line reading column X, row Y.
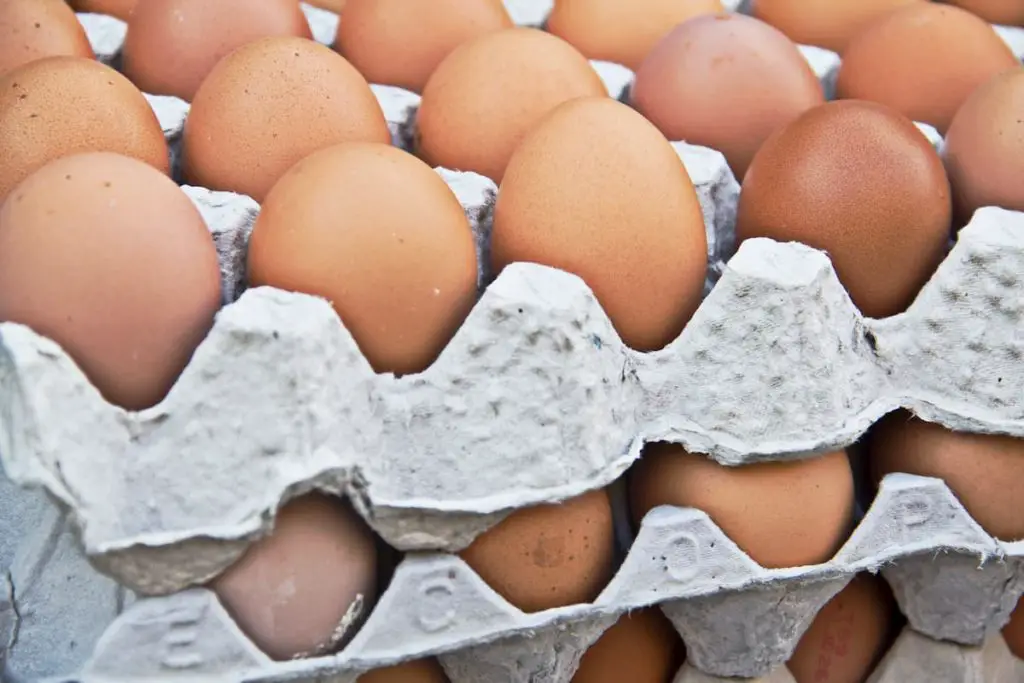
column 535, row 400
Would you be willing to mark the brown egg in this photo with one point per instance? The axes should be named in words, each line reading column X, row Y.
column 623, row 215
column 484, row 97
column 269, row 104
column 849, row 635
column 397, row 42
column 621, row 32
column 32, row 29
column 109, row 258
column 57, row 106
column 418, row 671
column 782, row 514
column 1006, row 12
column 641, row 647
column 380, row 235
column 115, row 8
column 725, row 81
column 862, row 183
column 548, row 556
column 826, row 23
column 292, row 589
column 172, row 45
column 984, row 471
column 984, row 150
column 923, row 61
column 1013, row 632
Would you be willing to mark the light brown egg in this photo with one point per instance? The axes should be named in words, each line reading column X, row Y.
column 862, row 183
column 826, row 23
column 417, row 671
column 379, row 234
column 57, row 106
column 172, row 45
column 641, row 647
column 484, row 97
column 109, row 258
column 923, row 61
column 269, row 104
column 849, row 635
column 984, row 150
column 622, row 214
column 396, row 42
column 292, row 589
column 725, row 81
column 622, row 32
column 782, row 514
column 1006, row 12
column 32, row 29
column 548, row 556
column 115, row 8
column 1013, row 632
column 984, row 471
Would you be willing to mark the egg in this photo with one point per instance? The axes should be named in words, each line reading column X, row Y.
column 483, row 98
column 115, row 8
column 830, row 24
column 640, row 647
column 1013, row 632
column 379, row 234
column 548, row 556
column 984, row 471
column 596, row 190
column 32, row 29
column 984, row 149
column 862, row 183
column 172, row 45
column 109, row 258
column 621, row 32
column 1007, row 12
column 400, row 43
column 269, row 104
column 416, row 671
column 725, row 81
column 923, row 60
column 293, row 589
column 782, row 514
column 848, row 637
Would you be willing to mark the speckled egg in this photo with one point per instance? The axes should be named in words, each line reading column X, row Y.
column 32, row 29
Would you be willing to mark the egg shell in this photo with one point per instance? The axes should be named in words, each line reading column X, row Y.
column 105, row 255
column 1013, row 632
column 416, row 671
column 172, row 45
column 121, row 9
column 621, row 32
column 985, row 471
column 548, row 556
column 395, row 42
column 782, row 514
column 1006, row 12
column 640, row 647
column 298, row 591
column 861, row 182
column 831, row 24
column 377, row 233
column 923, row 60
column 484, row 97
column 269, row 104
column 622, row 215
column 32, row 29
column 725, row 81
column 64, row 105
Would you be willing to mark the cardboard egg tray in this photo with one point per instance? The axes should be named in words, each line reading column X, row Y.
column 776, row 364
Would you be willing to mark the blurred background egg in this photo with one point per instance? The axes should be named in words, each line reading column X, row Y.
column 922, row 60
column 621, row 32
column 396, row 42
column 32, row 29
column 379, row 234
column 172, row 45
column 115, row 8
column 782, row 514
column 1006, row 12
column 57, row 106
column 548, row 556
column 826, row 23
column 1013, row 632
column 484, row 97
column 292, row 590
column 597, row 191
column 269, row 104
column 984, row 148
column 725, row 81
column 109, row 258
column 417, row 671
column 862, row 183
column 642, row 646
